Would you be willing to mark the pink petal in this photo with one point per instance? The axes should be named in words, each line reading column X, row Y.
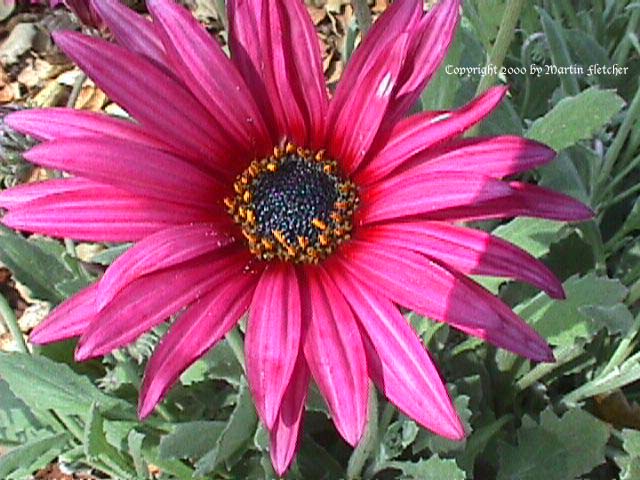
column 494, row 156
column 58, row 123
column 131, row 167
column 132, row 31
column 165, row 249
column 402, row 16
column 85, row 12
column 357, row 114
column 152, row 97
column 151, row 299
column 416, row 134
column 27, row 192
column 69, row 319
column 273, row 338
column 212, row 77
column 100, row 214
column 525, row 200
column 413, row 281
column 335, row 355
column 430, row 42
column 284, row 437
column 468, row 251
column 399, row 363
column 196, row 331
column 407, row 195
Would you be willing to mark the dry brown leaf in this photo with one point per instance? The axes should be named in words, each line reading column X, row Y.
column 53, row 94
column 317, row 14
column 91, row 98
column 617, row 410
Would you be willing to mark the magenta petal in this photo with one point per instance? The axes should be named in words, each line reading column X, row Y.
column 335, row 355
column 417, row 133
column 151, row 299
column 100, row 214
column 468, row 251
column 273, row 338
column 69, row 319
column 57, row 123
column 408, row 195
column 165, row 249
column 493, row 156
column 284, row 437
column 414, row 281
column 26, row 192
column 135, row 168
column 399, row 363
column 197, row 330
column 212, row 77
column 144, row 90
column 429, row 45
column 356, row 114
column 131, row 30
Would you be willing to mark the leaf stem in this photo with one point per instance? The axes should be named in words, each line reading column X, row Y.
column 12, row 324
column 369, row 439
column 563, row 355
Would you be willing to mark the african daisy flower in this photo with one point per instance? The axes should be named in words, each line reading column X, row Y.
column 248, row 189
column 83, row 9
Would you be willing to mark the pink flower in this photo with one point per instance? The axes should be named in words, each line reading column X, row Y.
column 83, row 9
column 246, row 188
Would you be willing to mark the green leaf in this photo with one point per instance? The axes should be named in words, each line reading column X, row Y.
column 108, row 256
column 17, row 422
column 21, row 462
column 556, row 449
column 315, row 463
column 435, row 468
column 441, row 445
column 576, row 118
column 97, row 447
column 238, row 432
column 32, row 266
column 135, row 440
column 44, row 384
column 629, row 462
column 592, row 303
column 555, row 36
column 191, row 439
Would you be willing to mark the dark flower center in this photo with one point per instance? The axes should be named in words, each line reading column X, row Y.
column 293, row 206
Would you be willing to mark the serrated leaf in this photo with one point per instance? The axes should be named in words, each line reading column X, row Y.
column 435, row 468
column 44, row 384
column 535, row 235
column 562, row 322
column 556, row 449
column 629, row 463
column 135, row 440
column 576, row 118
column 21, row 462
column 191, row 439
column 441, row 445
column 238, row 431
column 397, row 438
column 97, row 447
column 32, row 266
column 17, row 423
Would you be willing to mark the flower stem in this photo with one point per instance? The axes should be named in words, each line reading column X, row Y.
column 503, row 40
column 363, row 15
column 234, row 339
column 369, row 440
column 12, row 324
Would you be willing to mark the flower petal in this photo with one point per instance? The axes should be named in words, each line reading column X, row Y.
column 197, row 330
column 100, row 214
column 399, row 363
column 26, row 192
column 284, row 437
column 356, row 115
column 69, row 319
column 525, row 200
column 430, row 42
column 155, row 99
column 419, row 132
column 58, row 123
column 414, row 281
column 335, row 355
column 493, row 156
column 273, row 338
column 202, row 65
column 165, row 249
column 151, row 299
column 468, row 251
column 131, row 30
column 131, row 167
column 408, row 195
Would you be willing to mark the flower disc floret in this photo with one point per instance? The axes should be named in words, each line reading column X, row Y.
column 293, row 205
